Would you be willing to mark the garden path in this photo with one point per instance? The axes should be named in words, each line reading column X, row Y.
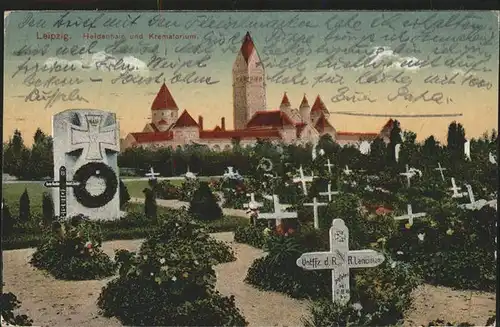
column 176, row 204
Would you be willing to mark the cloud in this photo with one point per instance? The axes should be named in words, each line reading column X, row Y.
column 387, row 55
column 101, row 61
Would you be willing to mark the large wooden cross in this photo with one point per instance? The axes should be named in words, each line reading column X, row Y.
column 252, row 205
column 152, row 175
column 329, row 165
column 455, row 189
column 476, row 204
column 277, row 214
column 410, row 215
column 329, row 192
column 340, row 259
column 315, row 204
column 440, row 170
column 347, row 171
column 96, row 138
column 408, row 174
column 303, row 180
column 62, row 184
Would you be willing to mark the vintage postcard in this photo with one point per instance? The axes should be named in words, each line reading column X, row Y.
column 250, row 168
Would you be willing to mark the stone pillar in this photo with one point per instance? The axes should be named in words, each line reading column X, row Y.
column 87, row 143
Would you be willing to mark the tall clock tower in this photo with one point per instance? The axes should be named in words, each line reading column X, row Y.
column 249, row 84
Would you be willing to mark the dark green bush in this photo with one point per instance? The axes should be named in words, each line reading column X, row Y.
column 203, row 205
column 8, row 303
column 47, row 209
column 326, row 313
column 124, row 195
column 24, row 206
column 150, row 206
column 441, row 322
column 180, row 230
column 250, row 235
column 72, row 251
column 188, row 188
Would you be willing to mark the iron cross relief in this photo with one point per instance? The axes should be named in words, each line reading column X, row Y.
column 94, row 138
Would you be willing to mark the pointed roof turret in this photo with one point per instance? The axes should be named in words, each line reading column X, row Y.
column 164, row 100
column 285, row 101
column 318, row 105
column 185, row 120
column 304, row 102
column 247, row 47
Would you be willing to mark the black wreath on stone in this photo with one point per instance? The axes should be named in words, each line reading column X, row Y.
column 95, row 169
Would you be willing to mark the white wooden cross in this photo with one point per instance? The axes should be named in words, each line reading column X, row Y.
column 467, row 149
column 410, row 215
column 476, row 205
column 152, row 175
column 252, row 205
column 409, row 174
column 277, row 214
column 340, row 259
column 397, row 148
column 329, row 165
column 455, row 189
column 492, row 158
column 440, row 170
column 329, row 192
column 303, row 179
column 347, row 171
column 96, row 137
column 315, row 204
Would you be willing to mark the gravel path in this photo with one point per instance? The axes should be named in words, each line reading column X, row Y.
column 176, row 204
column 51, row 302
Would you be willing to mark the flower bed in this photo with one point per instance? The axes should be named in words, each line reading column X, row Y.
column 171, row 280
column 72, row 251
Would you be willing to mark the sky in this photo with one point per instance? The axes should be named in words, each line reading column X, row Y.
column 462, row 46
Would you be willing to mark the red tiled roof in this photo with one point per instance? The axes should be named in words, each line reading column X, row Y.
column 162, row 122
column 318, row 105
column 322, row 124
column 153, row 126
column 304, row 101
column 152, row 137
column 244, row 133
column 164, row 99
column 357, row 134
column 285, row 100
column 247, row 47
column 269, row 118
column 185, row 120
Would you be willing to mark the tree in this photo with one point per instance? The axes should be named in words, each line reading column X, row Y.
column 395, row 138
column 150, row 207
column 7, row 220
column 456, row 139
column 47, row 209
column 203, row 205
column 16, row 156
column 124, row 195
column 24, row 206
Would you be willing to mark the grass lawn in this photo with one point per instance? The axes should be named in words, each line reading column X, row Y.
column 12, row 192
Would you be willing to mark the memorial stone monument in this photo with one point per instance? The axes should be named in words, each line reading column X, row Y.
column 86, row 143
